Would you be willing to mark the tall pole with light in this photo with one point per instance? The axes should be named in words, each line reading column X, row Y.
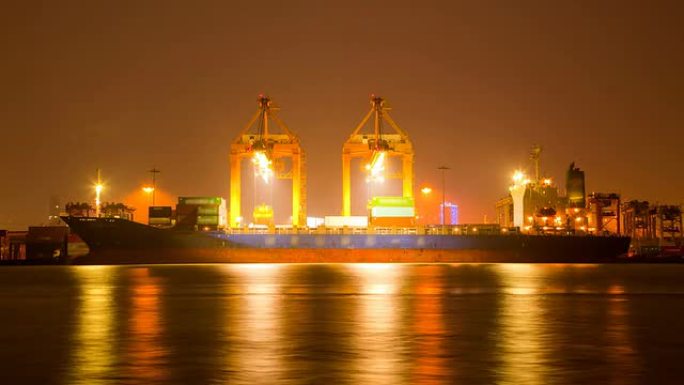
column 442, row 215
column 154, row 173
column 98, row 193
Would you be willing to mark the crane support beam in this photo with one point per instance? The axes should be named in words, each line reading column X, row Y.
column 407, row 170
column 235, row 190
column 346, row 184
column 296, row 190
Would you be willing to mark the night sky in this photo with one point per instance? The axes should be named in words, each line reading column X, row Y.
column 125, row 86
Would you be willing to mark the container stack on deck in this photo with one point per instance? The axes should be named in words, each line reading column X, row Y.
column 160, row 216
column 201, row 213
column 392, row 211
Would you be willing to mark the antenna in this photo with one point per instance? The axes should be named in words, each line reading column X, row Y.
column 154, row 173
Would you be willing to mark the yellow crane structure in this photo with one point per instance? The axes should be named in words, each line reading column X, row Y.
column 268, row 151
column 375, row 147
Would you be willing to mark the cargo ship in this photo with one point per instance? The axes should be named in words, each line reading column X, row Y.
column 536, row 222
column 120, row 241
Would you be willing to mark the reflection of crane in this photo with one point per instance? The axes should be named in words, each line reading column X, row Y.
column 375, row 148
column 267, row 151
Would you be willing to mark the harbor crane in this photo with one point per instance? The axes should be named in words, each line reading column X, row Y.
column 267, row 151
column 374, row 148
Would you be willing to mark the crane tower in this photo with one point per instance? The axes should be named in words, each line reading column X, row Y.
column 374, row 148
column 267, row 150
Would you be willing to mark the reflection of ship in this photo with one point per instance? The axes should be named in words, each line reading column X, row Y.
column 114, row 240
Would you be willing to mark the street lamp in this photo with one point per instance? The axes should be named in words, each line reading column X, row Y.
column 150, row 191
column 443, row 169
column 98, row 193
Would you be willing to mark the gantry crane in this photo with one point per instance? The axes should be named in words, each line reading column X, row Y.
column 267, row 151
column 374, row 148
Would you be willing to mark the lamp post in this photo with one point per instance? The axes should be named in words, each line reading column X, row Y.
column 149, row 190
column 443, row 169
column 98, row 193
column 426, row 191
column 154, row 173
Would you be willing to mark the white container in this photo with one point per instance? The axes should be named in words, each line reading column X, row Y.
column 341, row 221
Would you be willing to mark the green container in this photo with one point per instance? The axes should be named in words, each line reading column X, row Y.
column 160, row 221
column 208, row 220
column 208, row 210
column 212, row 201
column 391, row 202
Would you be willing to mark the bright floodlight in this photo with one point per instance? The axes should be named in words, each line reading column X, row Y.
column 376, row 167
column 262, row 166
column 518, row 177
column 148, row 189
column 426, row 190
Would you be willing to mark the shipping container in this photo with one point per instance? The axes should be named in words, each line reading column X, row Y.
column 215, row 201
column 391, row 202
column 394, row 212
column 160, row 212
column 393, row 221
column 342, row 221
column 159, row 221
column 208, row 210
column 208, row 220
column 184, row 210
column 186, row 220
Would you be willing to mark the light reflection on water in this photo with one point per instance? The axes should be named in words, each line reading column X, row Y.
column 341, row 323
column 255, row 354
column 94, row 334
column 144, row 343
column 523, row 324
column 376, row 324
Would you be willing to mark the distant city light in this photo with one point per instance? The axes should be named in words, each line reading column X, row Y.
column 426, row 190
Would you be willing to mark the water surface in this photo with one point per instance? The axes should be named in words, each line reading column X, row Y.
column 342, row 324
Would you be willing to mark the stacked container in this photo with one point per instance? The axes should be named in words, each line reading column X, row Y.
column 201, row 213
column 160, row 216
column 392, row 211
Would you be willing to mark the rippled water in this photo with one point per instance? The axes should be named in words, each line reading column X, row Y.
column 342, row 324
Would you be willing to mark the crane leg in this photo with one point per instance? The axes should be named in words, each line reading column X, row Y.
column 407, row 171
column 235, row 180
column 346, row 185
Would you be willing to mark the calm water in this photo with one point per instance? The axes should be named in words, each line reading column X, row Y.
column 342, row 324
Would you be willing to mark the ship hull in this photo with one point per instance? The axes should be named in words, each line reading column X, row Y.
column 117, row 241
